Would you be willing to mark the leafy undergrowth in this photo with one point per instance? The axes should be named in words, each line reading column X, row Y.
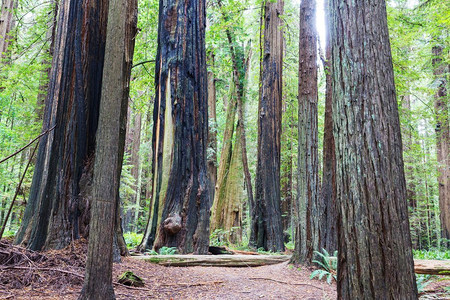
column 431, row 254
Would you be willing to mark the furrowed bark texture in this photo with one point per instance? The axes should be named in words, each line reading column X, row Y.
column 7, row 23
column 327, row 196
column 375, row 258
column 180, row 182
column 307, row 233
column 441, row 71
column 98, row 278
column 57, row 210
column 268, row 232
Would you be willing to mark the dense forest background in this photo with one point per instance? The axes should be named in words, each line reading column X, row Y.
column 419, row 32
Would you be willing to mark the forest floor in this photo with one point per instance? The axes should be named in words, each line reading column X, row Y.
column 59, row 275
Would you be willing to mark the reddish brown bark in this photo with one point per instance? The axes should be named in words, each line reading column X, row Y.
column 267, row 232
column 374, row 246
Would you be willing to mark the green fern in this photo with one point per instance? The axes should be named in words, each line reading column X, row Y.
column 328, row 267
column 168, row 251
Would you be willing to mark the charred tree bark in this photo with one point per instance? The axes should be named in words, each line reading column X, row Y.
column 441, row 71
column 309, row 215
column 374, row 245
column 327, row 196
column 180, row 132
column 58, row 208
column 109, row 149
column 268, row 232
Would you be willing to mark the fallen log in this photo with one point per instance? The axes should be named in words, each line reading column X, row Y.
column 428, row 267
column 215, row 260
column 432, row 267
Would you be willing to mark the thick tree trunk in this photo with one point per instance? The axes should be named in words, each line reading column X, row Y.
column 268, row 232
column 212, row 131
column 7, row 23
column 109, row 150
column 180, row 183
column 441, row 71
column 58, row 208
column 327, row 196
column 227, row 206
column 309, row 215
column 374, row 245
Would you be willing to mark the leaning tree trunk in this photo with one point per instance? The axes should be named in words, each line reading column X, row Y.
column 309, row 216
column 268, row 232
column 327, row 196
column 180, row 182
column 374, row 245
column 441, row 70
column 109, row 149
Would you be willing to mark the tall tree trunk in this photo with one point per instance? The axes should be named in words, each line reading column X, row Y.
column 375, row 259
column 45, row 73
column 7, row 23
column 58, row 208
column 268, row 232
column 441, row 71
column 212, row 130
column 227, row 207
column 287, row 166
column 328, row 192
column 109, row 149
column 181, row 128
column 309, row 215
column 220, row 196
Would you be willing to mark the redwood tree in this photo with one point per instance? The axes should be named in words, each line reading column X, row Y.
column 180, row 184
column 267, row 232
column 58, row 207
column 109, row 149
column 307, row 235
column 442, row 140
column 375, row 259
column 327, row 197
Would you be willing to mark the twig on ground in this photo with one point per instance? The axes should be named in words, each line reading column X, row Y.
column 284, row 282
column 42, row 269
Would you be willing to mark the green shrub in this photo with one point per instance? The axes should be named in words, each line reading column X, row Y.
column 132, row 239
column 327, row 265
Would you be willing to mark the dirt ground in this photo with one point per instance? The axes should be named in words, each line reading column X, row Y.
column 59, row 275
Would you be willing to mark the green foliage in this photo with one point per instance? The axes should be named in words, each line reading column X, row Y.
column 219, row 238
column 327, row 265
column 133, row 239
column 422, row 281
column 435, row 254
column 168, row 251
